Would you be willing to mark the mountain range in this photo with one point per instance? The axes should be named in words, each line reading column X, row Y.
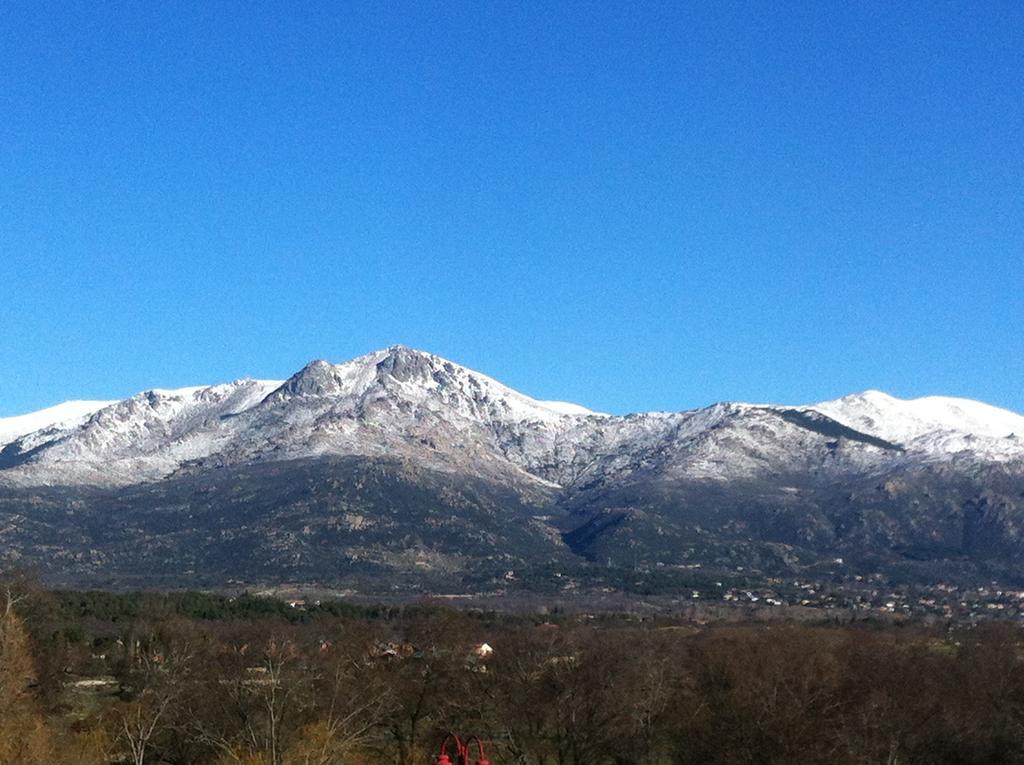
column 400, row 469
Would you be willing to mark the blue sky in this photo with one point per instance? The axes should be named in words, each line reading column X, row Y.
column 632, row 206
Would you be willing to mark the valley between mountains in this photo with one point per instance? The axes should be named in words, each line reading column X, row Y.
column 402, row 472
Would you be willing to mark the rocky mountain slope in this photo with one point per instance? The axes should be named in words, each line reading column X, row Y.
column 406, row 466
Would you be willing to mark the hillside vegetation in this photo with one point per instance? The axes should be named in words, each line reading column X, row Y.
column 192, row 678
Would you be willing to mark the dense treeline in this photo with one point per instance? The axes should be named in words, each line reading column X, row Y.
column 72, row 607
column 189, row 679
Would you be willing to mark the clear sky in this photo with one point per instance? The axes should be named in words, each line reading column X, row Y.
column 628, row 205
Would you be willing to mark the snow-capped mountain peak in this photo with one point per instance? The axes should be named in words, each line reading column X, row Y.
column 392, row 401
column 317, row 378
column 421, row 379
column 409, row 404
column 932, row 423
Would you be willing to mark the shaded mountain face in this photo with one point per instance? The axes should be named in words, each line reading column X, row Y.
column 370, row 523
column 401, row 466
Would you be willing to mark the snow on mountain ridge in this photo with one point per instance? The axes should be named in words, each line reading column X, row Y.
column 567, row 407
column 933, row 424
column 149, row 433
column 419, row 377
column 394, row 402
column 906, row 419
column 60, row 415
column 409, row 404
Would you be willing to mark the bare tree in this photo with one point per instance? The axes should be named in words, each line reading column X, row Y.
column 255, row 708
column 141, row 717
column 348, row 719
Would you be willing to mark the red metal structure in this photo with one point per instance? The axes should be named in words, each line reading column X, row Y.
column 462, row 751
